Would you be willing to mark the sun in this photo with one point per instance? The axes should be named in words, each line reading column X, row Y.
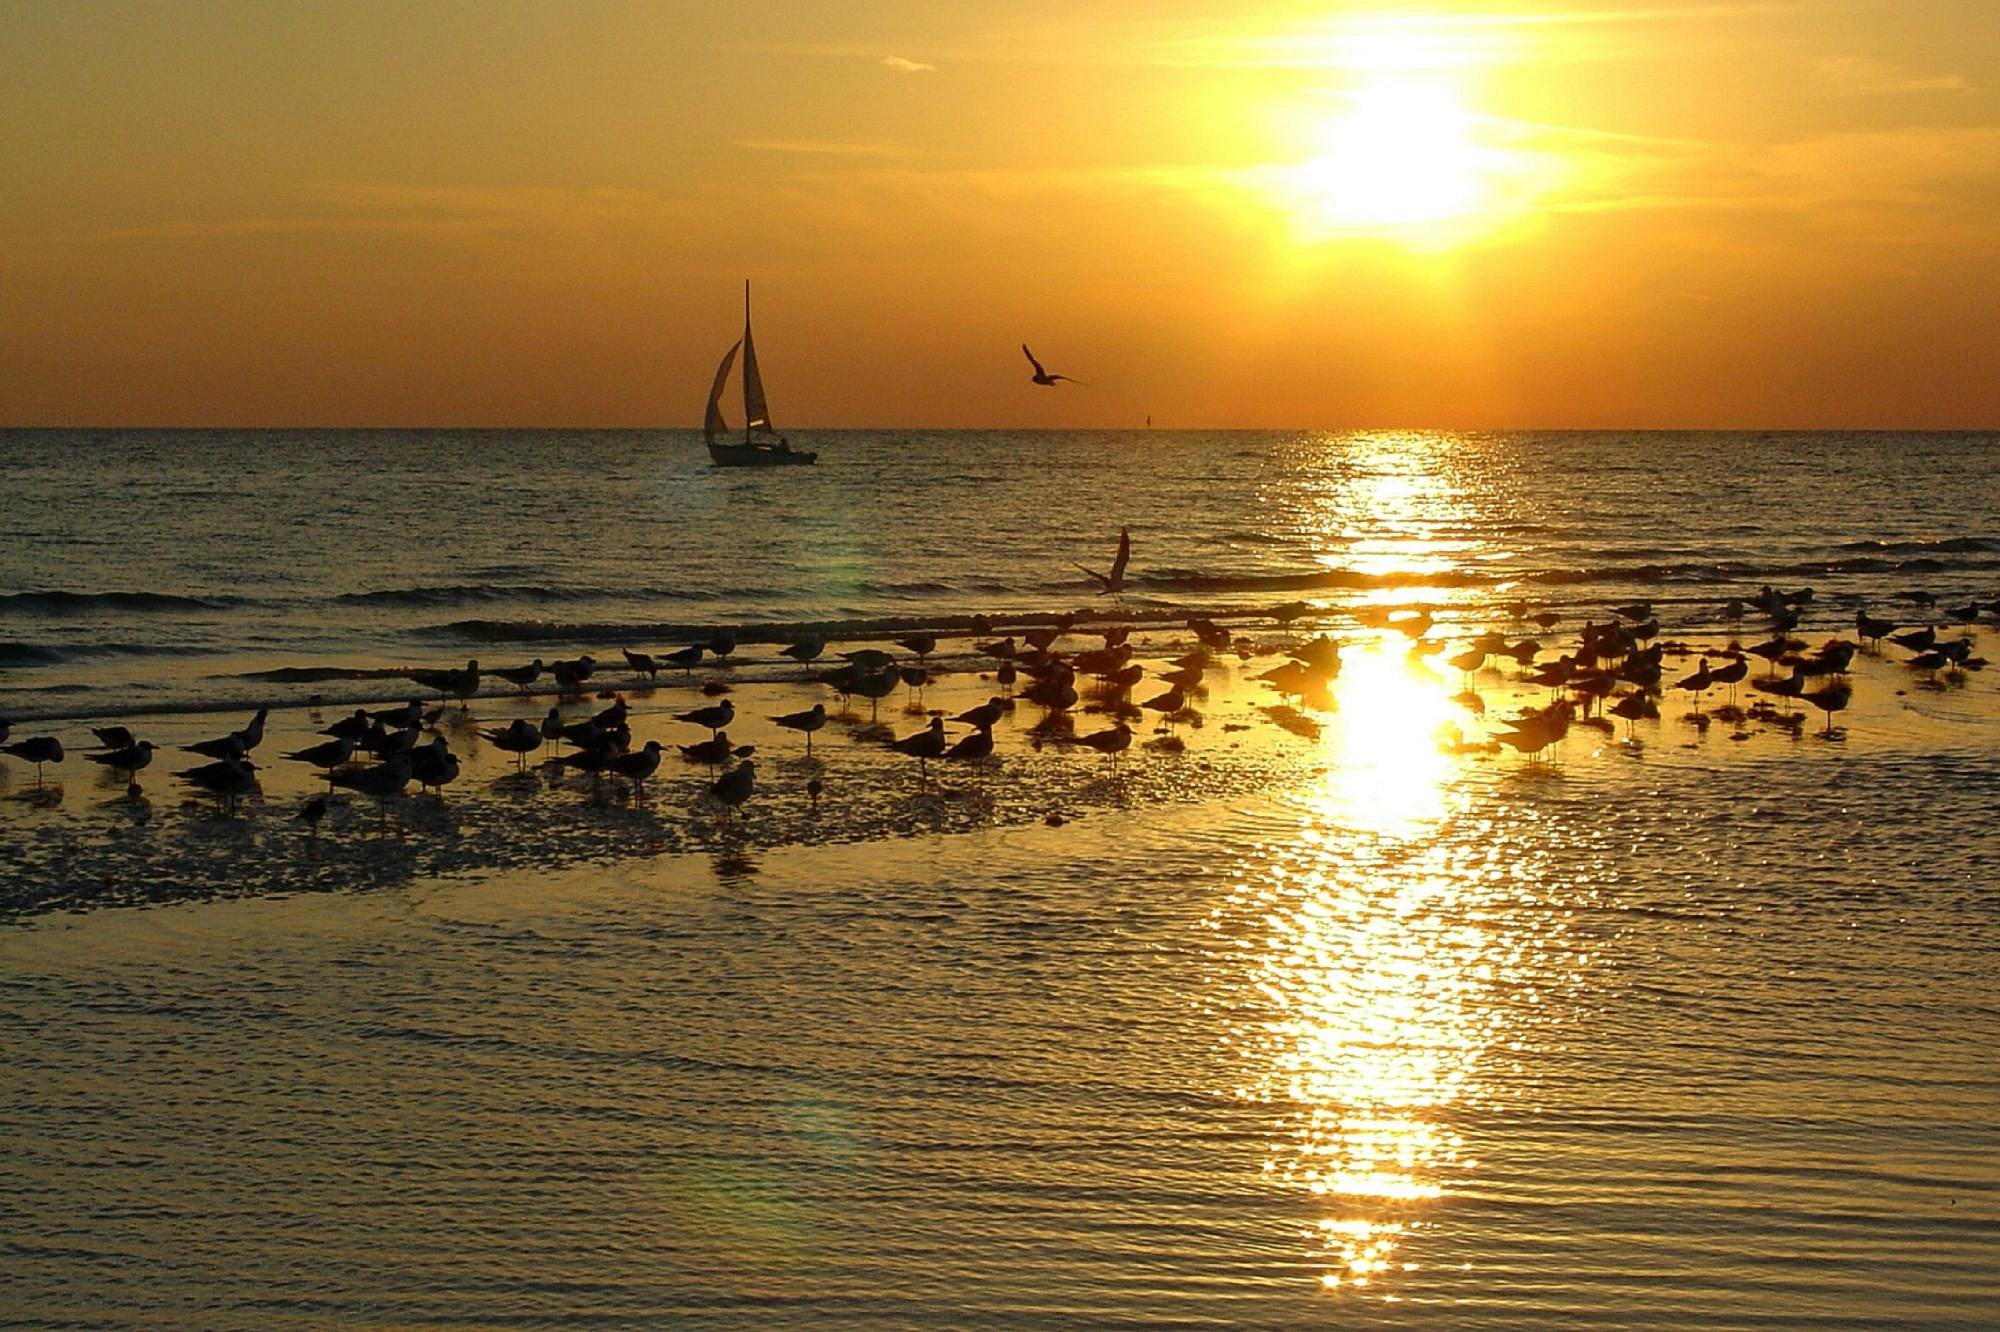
column 1402, row 153
column 1391, row 146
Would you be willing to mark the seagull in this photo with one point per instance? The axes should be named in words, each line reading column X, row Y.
column 812, row 719
column 552, row 726
column 570, row 675
column 1043, row 377
column 687, row 658
column 1830, row 698
column 1111, row 742
column 1113, row 583
column 522, row 676
column 328, row 754
column 353, row 727
column 410, row 714
column 1730, row 673
column 924, row 746
column 1867, row 626
column 1698, row 684
column 723, row 643
column 986, row 715
column 969, row 748
column 642, row 663
column 237, row 744
column 127, row 760
column 521, row 739
column 714, row 718
column 458, row 684
column 381, row 781
column 1634, row 708
column 638, row 765
column 734, row 786
column 434, row 765
column 875, row 687
column 806, row 649
column 111, row 737
column 921, row 644
column 716, row 749
column 227, row 779
column 870, row 659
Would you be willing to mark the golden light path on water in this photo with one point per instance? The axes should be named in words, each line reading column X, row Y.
column 1384, row 937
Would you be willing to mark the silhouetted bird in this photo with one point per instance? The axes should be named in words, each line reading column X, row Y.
column 714, row 717
column 1114, row 582
column 1043, row 377
column 733, row 788
column 809, row 721
column 924, row 746
column 128, row 760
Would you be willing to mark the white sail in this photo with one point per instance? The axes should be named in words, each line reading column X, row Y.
column 712, row 424
column 756, row 412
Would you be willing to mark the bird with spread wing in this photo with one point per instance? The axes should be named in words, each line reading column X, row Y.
column 1113, row 583
column 1043, row 377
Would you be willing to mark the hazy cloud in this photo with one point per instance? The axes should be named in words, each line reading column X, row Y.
column 825, row 147
column 902, row 66
column 1859, row 76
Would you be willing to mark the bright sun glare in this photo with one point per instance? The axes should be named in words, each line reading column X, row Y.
column 1403, row 153
column 1400, row 154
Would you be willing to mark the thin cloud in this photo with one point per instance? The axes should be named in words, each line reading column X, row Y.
column 825, row 147
column 903, row 66
column 1858, row 76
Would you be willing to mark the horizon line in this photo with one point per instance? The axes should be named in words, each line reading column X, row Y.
column 1039, row 429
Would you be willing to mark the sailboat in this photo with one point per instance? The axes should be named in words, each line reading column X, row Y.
column 762, row 445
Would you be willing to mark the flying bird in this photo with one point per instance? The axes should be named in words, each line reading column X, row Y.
column 1113, row 583
column 1043, row 377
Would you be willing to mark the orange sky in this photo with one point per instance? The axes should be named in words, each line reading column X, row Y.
column 1609, row 213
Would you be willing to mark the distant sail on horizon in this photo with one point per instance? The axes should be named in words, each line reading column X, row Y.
column 762, row 444
column 714, row 423
column 756, row 411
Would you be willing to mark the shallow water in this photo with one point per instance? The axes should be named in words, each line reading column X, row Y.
column 1529, row 1048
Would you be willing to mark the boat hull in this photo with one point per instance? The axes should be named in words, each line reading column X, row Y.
column 750, row 455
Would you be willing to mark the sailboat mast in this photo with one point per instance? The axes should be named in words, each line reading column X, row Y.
column 747, row 411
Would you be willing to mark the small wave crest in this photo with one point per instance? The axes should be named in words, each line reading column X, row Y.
column 19, row 654
column 1926, row 546
column 63, row 600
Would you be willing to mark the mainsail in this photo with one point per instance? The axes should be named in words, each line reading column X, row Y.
column 713, row 424
column 756, row 412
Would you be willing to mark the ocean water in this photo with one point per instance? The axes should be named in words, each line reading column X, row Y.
column 155, row 570
column 1331, row 1016
column 1700, row 1046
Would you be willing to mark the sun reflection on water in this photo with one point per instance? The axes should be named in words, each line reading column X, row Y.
column 1371, row 939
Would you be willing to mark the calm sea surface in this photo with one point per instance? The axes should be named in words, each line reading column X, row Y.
column 1699, row 1034
column 153, row 569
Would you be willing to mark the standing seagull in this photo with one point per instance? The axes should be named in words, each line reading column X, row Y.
column 924, row 746
column 38, row 750
column 1043, row 377
column 127, row 760
column 734, row 787
column 1113, row 583
column 812, row 719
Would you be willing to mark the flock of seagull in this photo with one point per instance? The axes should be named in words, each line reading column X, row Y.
column 1614, row 669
